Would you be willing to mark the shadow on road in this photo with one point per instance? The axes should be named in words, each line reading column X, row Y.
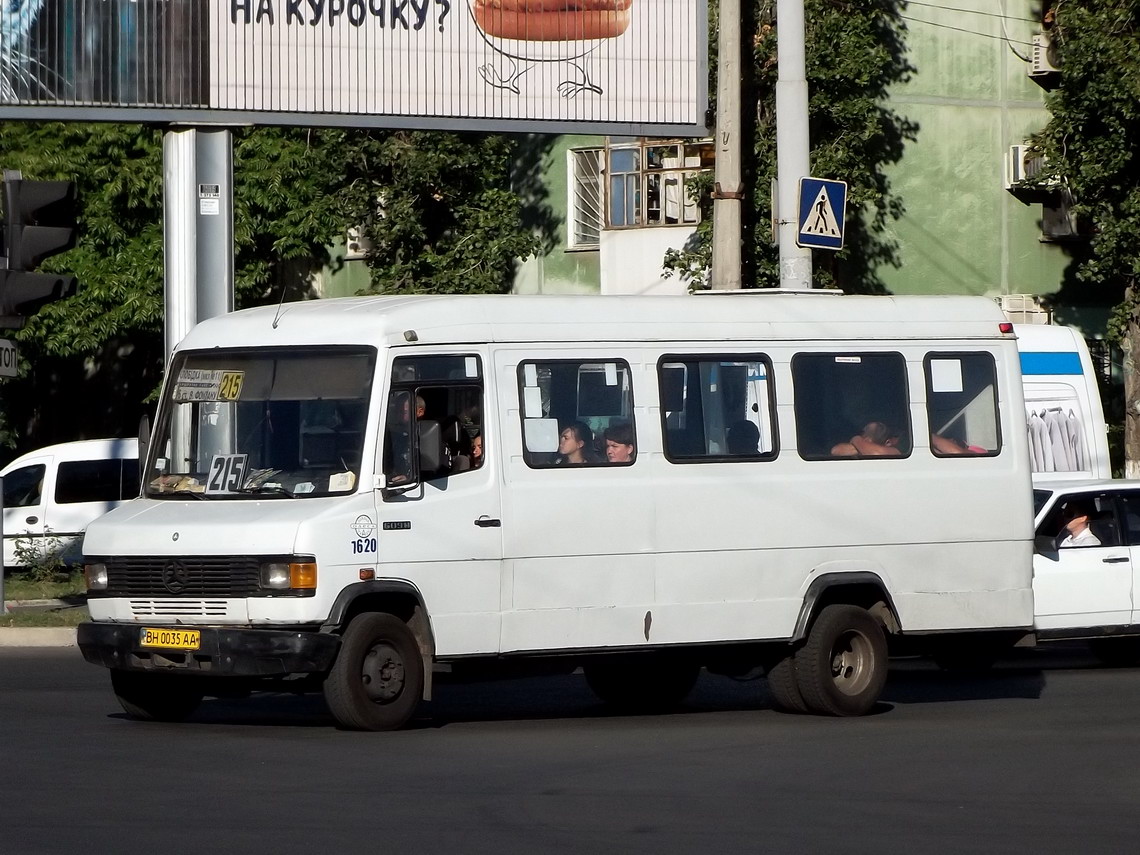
column 1021, row 675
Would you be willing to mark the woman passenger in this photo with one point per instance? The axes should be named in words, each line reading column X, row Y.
column 574, row 445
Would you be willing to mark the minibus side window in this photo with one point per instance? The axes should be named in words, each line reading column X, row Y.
column 851, row 406
column 88, row 481
column 577, row 413
column 961, row 404
column 440, row 398
column 717, row 408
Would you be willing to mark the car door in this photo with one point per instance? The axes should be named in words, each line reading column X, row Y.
column 1082, row 586
column 1129, row 508
column 25, row 501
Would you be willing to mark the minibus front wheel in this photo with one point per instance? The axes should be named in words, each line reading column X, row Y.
column 377, row 679
column 842, row 668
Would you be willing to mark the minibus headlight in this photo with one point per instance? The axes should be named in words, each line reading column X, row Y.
column 96, row 575
column 298, row 577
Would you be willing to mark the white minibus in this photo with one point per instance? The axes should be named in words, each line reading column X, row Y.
column 351, row 495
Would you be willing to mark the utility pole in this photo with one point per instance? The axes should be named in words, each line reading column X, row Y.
column 792, row 144
column 728, row 191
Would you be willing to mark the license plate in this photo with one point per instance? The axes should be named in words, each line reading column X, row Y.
column 172, row 639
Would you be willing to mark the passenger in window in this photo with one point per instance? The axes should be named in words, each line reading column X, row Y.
column 477, row 451
column 743, row 438
column 952, row 445
column 1076, row 531
column 877, row 439
column 575, row 445
column 420, row 407
column 620, row 443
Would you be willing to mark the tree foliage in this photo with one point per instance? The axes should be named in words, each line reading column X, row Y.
column 854, row 54
column 1092, row 144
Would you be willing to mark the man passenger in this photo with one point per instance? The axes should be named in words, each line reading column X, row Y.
column 875, row 440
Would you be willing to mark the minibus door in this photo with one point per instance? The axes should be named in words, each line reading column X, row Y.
column 25, row 504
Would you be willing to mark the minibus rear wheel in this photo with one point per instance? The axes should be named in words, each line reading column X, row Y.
column 155, row 697
column 842, row 668
column 377, row 680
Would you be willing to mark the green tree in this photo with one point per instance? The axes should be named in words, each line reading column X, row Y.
column 854, row 54
column 1092, row 146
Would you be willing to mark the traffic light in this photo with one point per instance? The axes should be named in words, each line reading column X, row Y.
column 39, row 221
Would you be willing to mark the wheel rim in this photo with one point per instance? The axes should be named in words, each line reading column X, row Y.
column 382, row 673
column 852, row 662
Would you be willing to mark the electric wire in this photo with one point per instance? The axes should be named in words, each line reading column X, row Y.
column 963, row 30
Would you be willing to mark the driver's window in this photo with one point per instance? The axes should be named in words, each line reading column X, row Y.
column 1081, row 521
column 435, row 418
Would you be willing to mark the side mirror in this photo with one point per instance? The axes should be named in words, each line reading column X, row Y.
column 144, row 446
column 1044, row 545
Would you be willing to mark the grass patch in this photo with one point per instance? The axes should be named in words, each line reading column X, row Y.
column 40, row 586
column 70, row 616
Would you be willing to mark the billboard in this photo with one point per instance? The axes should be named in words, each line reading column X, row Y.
column 635, row 67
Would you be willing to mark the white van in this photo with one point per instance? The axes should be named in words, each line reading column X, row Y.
column 52, row 495
column 784, row 480
column 1064, row 415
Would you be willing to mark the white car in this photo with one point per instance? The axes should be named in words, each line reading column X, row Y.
column 1089, row 591
column 51, row 495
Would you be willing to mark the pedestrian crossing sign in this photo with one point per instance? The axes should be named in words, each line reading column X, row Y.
column 823, row 205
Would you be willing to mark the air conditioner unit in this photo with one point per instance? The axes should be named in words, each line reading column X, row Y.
column 1022, row 163
column 1024, row 309
column 1043, row 59
column 356, row 246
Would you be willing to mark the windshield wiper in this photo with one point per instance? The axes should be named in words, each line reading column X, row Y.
column 197, row 494
column 268, row 488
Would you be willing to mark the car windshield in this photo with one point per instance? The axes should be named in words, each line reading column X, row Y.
column 1040, row 497
column 262, row 423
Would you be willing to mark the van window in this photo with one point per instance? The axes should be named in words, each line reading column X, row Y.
column 89, row 481
column 576, row 413
column 717, row 408
column 435, row 410
column 851, row 405
column 962, row 404
column 23, row 487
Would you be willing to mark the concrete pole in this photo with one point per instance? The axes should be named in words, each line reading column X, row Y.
column 792, row 144
column 728, row 190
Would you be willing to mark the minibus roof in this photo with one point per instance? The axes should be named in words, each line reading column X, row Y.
column 720, row 316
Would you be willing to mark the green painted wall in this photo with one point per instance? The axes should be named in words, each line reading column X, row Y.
column 972, row 98
column 559, row 270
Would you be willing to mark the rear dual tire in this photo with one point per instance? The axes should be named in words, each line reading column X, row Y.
column 840, row 670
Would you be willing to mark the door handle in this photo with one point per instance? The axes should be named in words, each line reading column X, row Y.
column 1118, row 560
column 32, row 520
column 487, row 522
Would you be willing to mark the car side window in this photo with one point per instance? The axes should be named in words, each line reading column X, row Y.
column 1097, row 508
column 23, row 487
column 1130, row 517
column 88, row 481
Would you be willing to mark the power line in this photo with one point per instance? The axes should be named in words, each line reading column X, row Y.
column 970, row 12
column 962, row 30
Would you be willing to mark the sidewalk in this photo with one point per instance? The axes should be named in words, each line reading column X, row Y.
column 36, row 636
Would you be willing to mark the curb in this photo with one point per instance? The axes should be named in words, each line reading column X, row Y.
column 37, row 636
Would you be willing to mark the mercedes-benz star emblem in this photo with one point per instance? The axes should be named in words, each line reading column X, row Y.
column 175, row 577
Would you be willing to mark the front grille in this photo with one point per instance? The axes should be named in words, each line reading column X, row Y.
column 185, row 576
column 179, row 608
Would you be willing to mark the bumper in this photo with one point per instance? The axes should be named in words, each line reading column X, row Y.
column 224, row 652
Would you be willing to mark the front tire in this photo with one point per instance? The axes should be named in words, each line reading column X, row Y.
column 842, row 668
column 377, row 680
column 155, row 697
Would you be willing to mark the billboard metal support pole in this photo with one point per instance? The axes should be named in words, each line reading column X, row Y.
column 793, row 160
column 728, row 190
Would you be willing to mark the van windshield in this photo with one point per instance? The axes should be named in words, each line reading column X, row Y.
column 262, row 423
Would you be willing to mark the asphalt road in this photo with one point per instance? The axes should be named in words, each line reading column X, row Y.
column 1041, row 756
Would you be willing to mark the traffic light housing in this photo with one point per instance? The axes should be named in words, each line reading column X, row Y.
column 39, row 222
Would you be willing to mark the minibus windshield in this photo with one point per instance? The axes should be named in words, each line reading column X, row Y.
column 266, row 423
